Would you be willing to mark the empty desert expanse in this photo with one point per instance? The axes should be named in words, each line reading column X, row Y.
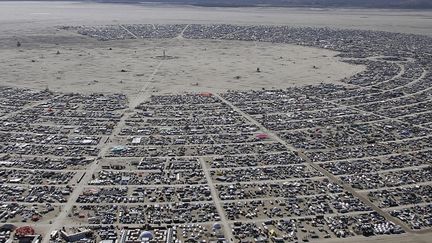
column 194, row 65
column 17, row 18
column 86, row 65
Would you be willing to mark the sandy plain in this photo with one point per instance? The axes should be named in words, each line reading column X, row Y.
column 193, row 65
column 23, row 17
column 86, row 65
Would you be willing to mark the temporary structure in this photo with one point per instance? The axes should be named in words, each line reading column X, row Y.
column 262, row 136
column 25, row 230
column 206, row 94
column 9, row 227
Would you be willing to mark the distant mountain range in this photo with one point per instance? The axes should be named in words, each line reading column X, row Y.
column 402, row 4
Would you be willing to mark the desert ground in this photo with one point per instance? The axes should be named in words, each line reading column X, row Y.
column 86, row 65
column 18, row 18
column 192, row 65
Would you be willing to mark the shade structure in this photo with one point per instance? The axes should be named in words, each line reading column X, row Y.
column 8, row 227
column 25, row 230
column 217, row 226
column 146, row 235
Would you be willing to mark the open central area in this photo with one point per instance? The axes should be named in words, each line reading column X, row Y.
column 188, row 65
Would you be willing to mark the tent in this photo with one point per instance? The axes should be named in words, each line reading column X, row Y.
column 262, row 136
column 217, row 226
column 146, row 236
column 205, row 94
column 7, row 227
column 25, row 230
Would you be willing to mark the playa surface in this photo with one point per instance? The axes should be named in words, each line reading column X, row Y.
column 86, row 65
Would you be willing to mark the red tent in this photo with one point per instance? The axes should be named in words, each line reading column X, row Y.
column 35, row 218
column 262, row 136
column 206, row 94
column 25, row 230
